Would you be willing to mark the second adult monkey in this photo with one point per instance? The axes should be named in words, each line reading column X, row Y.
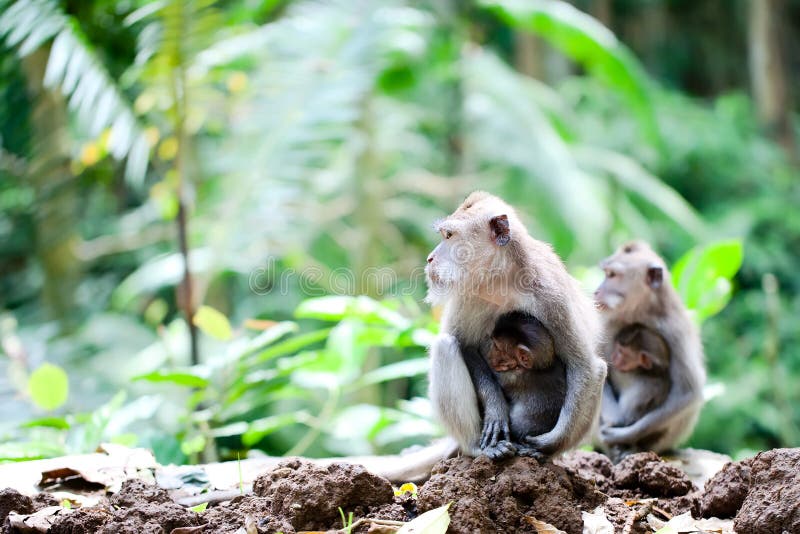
column 637, row 291
column 487, row 265
column 532, row 377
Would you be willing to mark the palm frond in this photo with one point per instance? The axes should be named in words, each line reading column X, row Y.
column 74, row 69
column 586, row 41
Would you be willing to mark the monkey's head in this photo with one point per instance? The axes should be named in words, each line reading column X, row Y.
column 476, row 248
column 507, row 354
column 629, row 358
column 635, row 275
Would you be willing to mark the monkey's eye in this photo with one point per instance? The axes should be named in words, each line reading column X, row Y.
column 610, row 274
column 628, row 249
column 448, row 234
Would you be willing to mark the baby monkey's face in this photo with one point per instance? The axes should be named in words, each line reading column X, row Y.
column 506, row 354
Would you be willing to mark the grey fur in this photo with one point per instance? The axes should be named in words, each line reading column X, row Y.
column 660, row 310
column 533, row 280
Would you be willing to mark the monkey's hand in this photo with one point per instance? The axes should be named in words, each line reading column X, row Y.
column 495, row 427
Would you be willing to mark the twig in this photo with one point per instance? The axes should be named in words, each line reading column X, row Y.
column 634, row 516
column 382, row 522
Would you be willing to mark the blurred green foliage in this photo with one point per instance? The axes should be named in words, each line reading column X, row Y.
column 311, row 144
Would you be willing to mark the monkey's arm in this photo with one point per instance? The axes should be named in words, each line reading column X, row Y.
column 452, row 394
column 680, row 401
column 496, row 433
column 610, row 411
column 586, row 374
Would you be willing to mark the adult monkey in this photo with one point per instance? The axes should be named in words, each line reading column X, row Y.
column 637, row 291
column 487, row 265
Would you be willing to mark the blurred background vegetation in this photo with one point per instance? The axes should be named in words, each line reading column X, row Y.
column 270, row 169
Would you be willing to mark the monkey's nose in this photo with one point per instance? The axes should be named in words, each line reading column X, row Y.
column 430, row 258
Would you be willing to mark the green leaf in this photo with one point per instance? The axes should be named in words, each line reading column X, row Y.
column 261, row 428
column 338, row 307
column 48, row 386
column 29, row 450
column 49, row 422
column 703, row 276
column 588, row 42
column 75, row 69
column 291, row 345
column 213, row 323
column 180, row 378
column 433, row 521
column 393, row 371
column 634, row 178
column 200, row 508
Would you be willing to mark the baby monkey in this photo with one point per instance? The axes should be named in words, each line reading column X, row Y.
column 532, row 378
column 640, row 362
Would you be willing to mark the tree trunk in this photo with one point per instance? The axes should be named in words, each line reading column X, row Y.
column 768, row 70
column 56, row 193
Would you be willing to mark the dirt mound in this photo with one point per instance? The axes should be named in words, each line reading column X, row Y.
column 13, row 501
column 309, row 496
column 137, row 507
column 763, row 492
column 727, row 490
column 649, row 476
column 506, row 496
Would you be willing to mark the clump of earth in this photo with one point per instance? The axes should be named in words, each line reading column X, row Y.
column 514, row 495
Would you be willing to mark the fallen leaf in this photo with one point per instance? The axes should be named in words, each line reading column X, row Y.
column 596, row 522
column 686, row 523
column 40, row 521
column 375, row 528
column 75, row 479
column 433, row 521
column 542, row 527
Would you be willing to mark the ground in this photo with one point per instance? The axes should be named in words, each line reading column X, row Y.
column 761, row 494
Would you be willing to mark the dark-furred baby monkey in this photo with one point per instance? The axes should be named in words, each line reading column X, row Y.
column 530, row 374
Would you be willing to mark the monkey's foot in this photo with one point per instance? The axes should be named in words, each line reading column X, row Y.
column 503, row 449
column 531, row 452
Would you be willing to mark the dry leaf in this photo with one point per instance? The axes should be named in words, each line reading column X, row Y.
column 41, row 521
column 542, row 527
column 596, row 522
column 686, row 523
column 433, row 521
column 381, row 529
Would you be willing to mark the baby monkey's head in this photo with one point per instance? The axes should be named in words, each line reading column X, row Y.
column 520, row 342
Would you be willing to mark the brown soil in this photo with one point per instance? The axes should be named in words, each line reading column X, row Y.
column 762, row 493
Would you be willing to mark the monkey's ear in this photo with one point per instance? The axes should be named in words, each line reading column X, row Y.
column 524, row 356
column 645, row 361
column 655, row 276
column 501, row 232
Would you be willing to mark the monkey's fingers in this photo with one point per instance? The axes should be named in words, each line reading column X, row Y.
column 503, row 449
column 489, row 435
